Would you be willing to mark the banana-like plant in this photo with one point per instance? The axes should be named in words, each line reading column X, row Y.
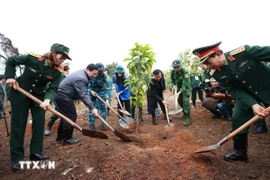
column 140, row 63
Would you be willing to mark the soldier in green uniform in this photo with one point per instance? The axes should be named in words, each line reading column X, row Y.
column 180, row 80
column 196, row 80
column 238, row 72
column 39, row 71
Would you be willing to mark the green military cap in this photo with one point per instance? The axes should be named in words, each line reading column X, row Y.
column 176, row 63
column 60, row 48
column 204, row 52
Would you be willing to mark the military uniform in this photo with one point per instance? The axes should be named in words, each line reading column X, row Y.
column 37, row 74
column 196, row 80
column 182, row 81
column 239, row 76
column 102, row 85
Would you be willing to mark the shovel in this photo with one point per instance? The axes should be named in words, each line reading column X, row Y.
column 117, row 133
column 231, row 135
column 125, row 122
column 122, row 110
column 85, row 132
column 175, row 111
column 170, row 125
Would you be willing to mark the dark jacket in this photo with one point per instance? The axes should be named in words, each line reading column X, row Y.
column 74, row 87
column 39, row 80
column 245, row 76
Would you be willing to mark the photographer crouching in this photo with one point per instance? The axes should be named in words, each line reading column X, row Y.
column 218, row 101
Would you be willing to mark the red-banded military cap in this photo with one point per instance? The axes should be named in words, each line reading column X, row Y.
column 204, row 52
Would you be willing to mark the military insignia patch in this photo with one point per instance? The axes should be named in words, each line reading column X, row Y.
column 35, row 55
column 237, row 51
column 231, row 58
column 212, row 72
column 242, row 63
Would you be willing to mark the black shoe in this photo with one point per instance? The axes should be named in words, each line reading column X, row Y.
column 154, row 121
column 260, row 130
column 38, row 157
column 71, row 141
column 236, row 155
column 16, row 166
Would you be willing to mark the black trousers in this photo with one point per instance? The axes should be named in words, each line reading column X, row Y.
column 68, row 109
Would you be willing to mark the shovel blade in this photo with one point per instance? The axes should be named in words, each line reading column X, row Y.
column 206, row 149
column 174, row 112
column 169, row 126
column 94, row 134
column 122, row 136
column 124, row 123
column 158, row 112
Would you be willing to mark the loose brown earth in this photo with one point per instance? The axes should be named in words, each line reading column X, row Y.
column 155, row 153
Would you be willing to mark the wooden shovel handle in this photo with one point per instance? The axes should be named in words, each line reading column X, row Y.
column 244, row 126
column 109, row 106
column 49, row 108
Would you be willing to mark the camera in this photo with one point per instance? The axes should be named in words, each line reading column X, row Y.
column 208, row 90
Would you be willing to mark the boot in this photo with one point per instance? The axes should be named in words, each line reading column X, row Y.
column 240, row 149
column 154, row 120
column 68, row 139
column 187, row 122
column 47, row 131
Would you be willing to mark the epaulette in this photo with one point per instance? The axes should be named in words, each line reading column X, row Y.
column 35, row 55
column 237, row 51
column 212, row 72
column 59, row 68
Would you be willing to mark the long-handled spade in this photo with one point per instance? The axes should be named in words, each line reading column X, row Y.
column 175, row 111
column 125, row 122
column 122, row 110
column 231, row 135
column 85, row 132
column 117, row 133
column 170, row 125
